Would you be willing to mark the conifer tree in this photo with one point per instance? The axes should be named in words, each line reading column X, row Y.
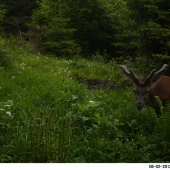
column 56, row 38
column 2, row 12
column 149, row 30
column 18, row 13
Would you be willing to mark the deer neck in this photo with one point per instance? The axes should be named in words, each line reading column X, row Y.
column 152, row 102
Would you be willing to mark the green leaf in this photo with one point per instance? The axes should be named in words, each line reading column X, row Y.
column 97, row 127
column 80, row 159
column 119, row 124
column 85, row 118
column 74, row 97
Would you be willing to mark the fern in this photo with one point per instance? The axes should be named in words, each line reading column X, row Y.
column 48, row 142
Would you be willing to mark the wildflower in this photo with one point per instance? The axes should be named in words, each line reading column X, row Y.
column 2, row 109
column 8, row 113
column 52, row 70
column 7, row 105
column 91, row 101
column 13, row 77
column 0, row 88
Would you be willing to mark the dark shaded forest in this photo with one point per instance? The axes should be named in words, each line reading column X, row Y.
column 117, row 29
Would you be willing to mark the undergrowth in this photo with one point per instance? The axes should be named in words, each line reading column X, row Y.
column 47, row 116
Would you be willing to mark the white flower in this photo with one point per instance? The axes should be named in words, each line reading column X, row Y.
column 91, row 101
column 0, row 88
column 8, row 113
column 7, row 105
column 13, row 77
column 2, row 109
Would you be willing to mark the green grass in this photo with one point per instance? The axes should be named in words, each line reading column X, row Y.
column 56, row 119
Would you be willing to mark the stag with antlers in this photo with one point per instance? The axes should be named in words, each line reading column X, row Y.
column 145, row 93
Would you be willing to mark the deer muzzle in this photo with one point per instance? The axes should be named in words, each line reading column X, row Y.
column 139, row 106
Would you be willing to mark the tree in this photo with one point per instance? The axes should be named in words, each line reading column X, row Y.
column 150, row 29
column 124, row 30
column 17, row 15
column 54, row 35
column 95, row 23
column 91, row 24
column 2, row 12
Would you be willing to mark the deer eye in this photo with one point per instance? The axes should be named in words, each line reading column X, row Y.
column 149, row 91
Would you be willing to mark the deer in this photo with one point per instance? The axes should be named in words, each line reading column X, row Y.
column 145, row 92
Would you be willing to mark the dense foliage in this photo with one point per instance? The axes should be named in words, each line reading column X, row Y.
column 151, row 29
column 63, row 24
column 18, row 12
column 50, row 21
column 118, row 28
column 2, row 12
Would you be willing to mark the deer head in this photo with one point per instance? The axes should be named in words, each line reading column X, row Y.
column 142, row 90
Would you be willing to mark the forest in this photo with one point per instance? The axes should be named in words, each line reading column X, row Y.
column 64, row 98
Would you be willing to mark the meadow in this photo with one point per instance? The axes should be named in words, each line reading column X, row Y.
column 56, row 110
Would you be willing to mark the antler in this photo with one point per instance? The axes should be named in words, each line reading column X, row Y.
column 125, row 70
column 154, row 75
column 130, row 74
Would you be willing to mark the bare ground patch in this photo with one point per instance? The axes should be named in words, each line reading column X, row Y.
column 97, row 84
